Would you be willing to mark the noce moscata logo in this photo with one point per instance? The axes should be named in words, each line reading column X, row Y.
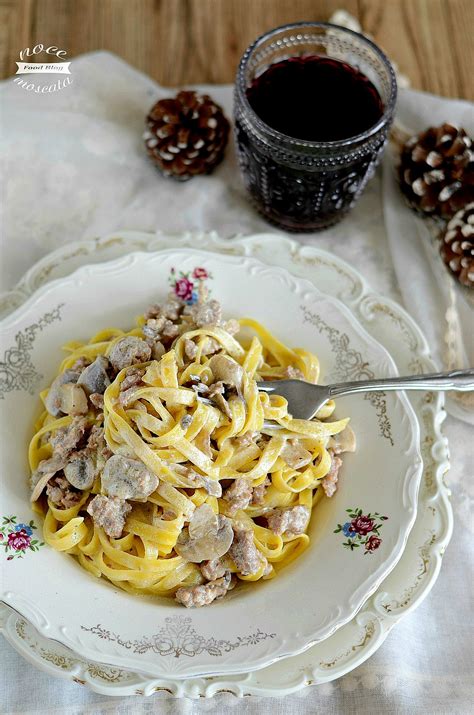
column 36, row 82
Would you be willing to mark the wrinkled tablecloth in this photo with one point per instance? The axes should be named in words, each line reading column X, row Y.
column 73, row 168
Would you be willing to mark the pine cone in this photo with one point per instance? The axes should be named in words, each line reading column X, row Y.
column 186, row 135
column 437, row 171
column 457, row 247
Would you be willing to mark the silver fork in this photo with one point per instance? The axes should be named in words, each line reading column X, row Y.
column 305, row 399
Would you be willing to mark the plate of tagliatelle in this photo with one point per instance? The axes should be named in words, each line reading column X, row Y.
column 160, row 479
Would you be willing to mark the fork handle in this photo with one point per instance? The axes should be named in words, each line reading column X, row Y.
column 459, row 380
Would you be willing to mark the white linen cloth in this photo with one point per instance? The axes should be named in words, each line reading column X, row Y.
column 74, row 167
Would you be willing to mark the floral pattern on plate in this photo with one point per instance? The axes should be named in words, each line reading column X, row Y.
column 17, row 371
column 362, row 530
column 17, row 538
column 177, row 637
column 187, row 285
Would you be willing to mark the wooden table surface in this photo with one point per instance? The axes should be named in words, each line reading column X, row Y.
column 190, row 41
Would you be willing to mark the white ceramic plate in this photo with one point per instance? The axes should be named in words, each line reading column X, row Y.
column 399, row 593
column 318, row 593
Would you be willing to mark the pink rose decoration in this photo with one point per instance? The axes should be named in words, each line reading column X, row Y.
column 362, row 525
column 19, row 540
column 373, row 543
column 200, row 274
column 184, row 288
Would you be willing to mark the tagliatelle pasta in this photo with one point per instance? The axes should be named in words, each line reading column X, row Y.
column 153, row 467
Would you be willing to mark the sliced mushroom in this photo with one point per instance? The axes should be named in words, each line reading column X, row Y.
column 53, row 464
column 53, row 398
column 94, row 377
column 72, row 400
column 189, row 479
column 345, row 441
column 128, row 478
column 203, row 442
column 295, row 455
column 212, row 486
column 38, row 483
column 222, row 404
column 203, row 522
column 211, row 544
column 80, row 471
column 226, row 370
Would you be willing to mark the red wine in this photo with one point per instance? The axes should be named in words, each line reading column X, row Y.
column 318, row 99
column 315, row 98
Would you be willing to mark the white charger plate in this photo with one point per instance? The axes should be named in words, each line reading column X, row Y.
column 256, row 624
column 355, row 641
